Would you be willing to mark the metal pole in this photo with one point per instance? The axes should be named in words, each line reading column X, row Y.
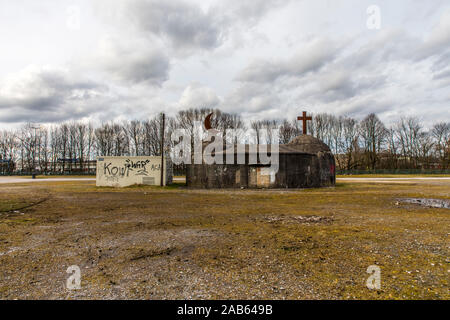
column 34, row 149
column 34, row 153
column 162, row 149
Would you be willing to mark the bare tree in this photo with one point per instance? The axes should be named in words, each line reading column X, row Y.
column 260, row 125
column 349, row 141
column 44, row 151
column 152, row 136
column 8, row 151
column 392, row 148
column 425, row 145
column 408, row 131
column 69, row 146
column 288, row 131
column 373, row 134
column 105, row 140
column 135, row 132
column 441, row 135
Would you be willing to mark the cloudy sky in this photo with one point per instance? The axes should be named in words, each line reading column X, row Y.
column 101, row 60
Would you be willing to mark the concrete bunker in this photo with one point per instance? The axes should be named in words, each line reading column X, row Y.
column 305, row 162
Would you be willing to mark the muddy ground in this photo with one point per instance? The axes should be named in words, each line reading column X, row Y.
column 174, row 243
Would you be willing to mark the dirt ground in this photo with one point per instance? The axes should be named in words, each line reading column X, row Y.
column 175, row 243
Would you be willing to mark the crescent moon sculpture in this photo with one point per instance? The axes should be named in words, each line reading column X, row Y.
column 208, row 122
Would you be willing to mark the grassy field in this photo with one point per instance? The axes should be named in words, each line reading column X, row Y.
column 151, row 242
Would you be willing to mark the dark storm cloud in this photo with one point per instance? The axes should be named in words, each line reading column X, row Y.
column 442, row 75
column 18, row 115
column 184, row 25
column 137, row 64
column 43, row 90
column 187, row 27
column 148, row 70
column 50, row 95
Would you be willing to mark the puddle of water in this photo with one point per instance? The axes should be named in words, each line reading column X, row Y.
column 433, row 203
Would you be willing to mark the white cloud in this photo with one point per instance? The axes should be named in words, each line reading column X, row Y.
column 47, row 94
column 197, row 96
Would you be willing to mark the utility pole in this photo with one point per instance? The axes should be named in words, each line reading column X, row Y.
column 162, row 148
column 34, row 149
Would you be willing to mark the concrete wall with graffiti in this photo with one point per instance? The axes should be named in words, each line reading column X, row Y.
column 127, row 171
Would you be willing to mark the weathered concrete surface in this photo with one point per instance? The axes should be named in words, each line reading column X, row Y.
column 306, row 162
column 127, row 171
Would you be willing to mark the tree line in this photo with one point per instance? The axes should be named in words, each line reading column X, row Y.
column 367, row 144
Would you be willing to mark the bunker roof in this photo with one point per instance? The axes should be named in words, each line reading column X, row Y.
column 304, row 144
column 308, row 144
